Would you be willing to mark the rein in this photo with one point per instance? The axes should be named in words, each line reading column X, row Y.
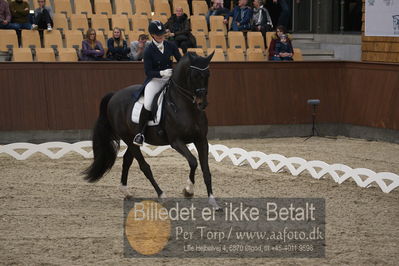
column 184, row 92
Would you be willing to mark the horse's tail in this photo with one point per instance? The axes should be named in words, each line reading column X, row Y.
column 105, row 145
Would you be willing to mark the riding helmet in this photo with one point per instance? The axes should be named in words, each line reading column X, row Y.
column 156, row 27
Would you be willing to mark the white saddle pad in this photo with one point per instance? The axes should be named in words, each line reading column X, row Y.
column 139, row 105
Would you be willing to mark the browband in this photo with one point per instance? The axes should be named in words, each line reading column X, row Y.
column 201, row 69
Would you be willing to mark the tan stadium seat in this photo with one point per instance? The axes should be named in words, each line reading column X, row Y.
column 142, row 8
column 140, row 23
column 100, row 22
column 218, row 56
column 67, row 55
column 133, row 36
column 103, row 7
column 60, row 22
column 35, row 4
column 297, row 55
column 161, row 18
column 235, row 54
column 83, row 7
column 162, row 7
column 73, row 39
column 198, row 51
column 236, row 40
column 45, row 55
column 120, row 21
column 255, row 54
column 198, row 24
column 52, row 38
column 8, row 38
column 255, row 40
column 22, row 55
column 79, row 22
column 269, row 36
column 216, row 24
column 63, row 7
column 200, row 8
column 217, row 40
column 101, row 38
column 201, row 40
column 123, row 7
column 30, row 38
column 183, row 4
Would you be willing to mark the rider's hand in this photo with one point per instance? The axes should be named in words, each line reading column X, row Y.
column 167, row 73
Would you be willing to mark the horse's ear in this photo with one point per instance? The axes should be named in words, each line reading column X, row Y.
column 209, row 57
column 190, row 57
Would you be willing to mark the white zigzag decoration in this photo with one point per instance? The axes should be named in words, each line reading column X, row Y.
column 276, row 162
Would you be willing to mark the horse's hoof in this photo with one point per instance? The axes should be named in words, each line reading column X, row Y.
column 162, row 196
column 214, row 204
column 125, row 192
column 128, row 197
column 218, row 209
column 187, row 194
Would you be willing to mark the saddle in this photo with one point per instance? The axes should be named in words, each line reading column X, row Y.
column 156, row 107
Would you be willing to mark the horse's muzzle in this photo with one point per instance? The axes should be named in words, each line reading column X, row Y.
column 201, row 103
column 201, row 99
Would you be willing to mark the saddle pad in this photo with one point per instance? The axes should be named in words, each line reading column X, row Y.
column 139, row 105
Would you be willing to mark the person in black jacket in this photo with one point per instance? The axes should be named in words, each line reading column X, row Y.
column 158, row 69
column 117, row 47
column 261, row 20
column 178, row 28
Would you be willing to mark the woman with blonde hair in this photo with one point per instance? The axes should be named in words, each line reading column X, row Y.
column 117, row 46
column 92, row 50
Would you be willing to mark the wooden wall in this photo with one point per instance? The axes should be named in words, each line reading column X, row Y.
column 60, row 96
column 379, row 49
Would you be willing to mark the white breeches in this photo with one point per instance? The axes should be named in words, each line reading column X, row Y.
column 152, row 88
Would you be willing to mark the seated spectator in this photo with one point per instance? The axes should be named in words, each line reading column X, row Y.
column 43, row 17
column 284, row 51
column 137, row 48
column 178, row 30
column 92, row 50
column 242, row 15
column 117, row 47
column 5, row 16
column 216, row 9
column 280, row 30
column 20, row 14
column 261, row 20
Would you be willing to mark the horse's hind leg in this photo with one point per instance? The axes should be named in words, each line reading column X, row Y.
column 203, row 151
column 127, row 162
column 180, row 147
column 146, row 169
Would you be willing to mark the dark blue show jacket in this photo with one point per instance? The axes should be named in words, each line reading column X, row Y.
column 155, row 61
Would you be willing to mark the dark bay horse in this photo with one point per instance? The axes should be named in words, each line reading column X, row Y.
column 183, row 121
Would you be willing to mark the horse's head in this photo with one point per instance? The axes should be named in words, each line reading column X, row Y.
column 193, row 73
column 198, row 78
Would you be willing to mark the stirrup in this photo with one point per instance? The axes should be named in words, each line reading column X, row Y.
column 138, row 139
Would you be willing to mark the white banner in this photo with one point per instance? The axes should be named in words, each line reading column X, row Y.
column 382, row 18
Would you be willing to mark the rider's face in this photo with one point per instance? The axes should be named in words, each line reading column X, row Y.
column 159, row 38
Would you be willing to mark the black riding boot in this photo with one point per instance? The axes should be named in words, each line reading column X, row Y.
column 145, row 115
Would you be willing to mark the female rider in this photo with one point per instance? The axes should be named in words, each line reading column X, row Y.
column 158, row 58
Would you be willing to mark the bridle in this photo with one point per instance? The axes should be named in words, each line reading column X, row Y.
column 184, row 92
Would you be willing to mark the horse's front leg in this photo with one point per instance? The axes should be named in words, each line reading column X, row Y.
column 181, row 148
column 203, row 151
